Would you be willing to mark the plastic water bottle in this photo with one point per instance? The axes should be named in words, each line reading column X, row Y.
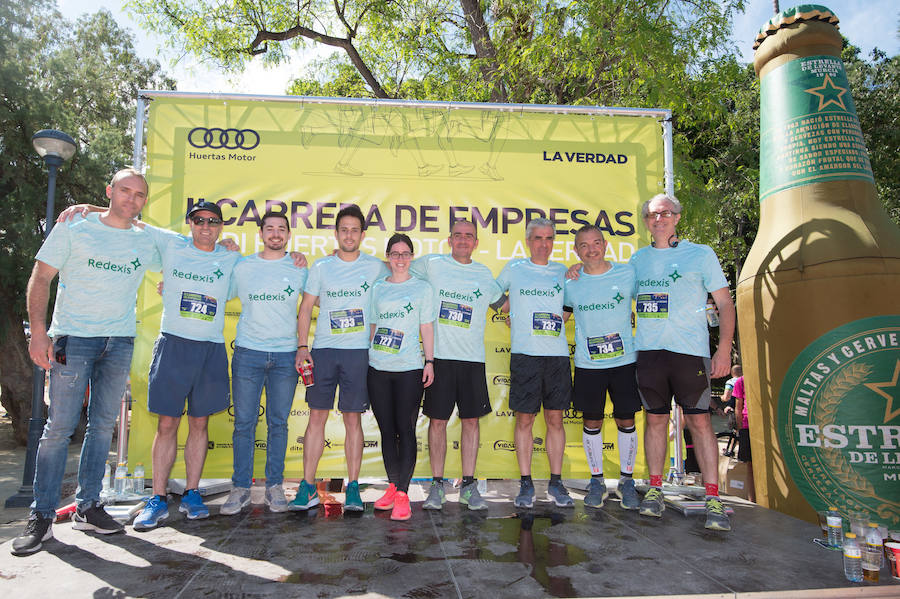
column 835, row 528
column 852, row 558
column 138, row 480
column 121, row 479
column 107, row 479
column 874, row 558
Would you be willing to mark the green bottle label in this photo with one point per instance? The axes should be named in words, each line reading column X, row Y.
column 839, row 419
column 809, row 131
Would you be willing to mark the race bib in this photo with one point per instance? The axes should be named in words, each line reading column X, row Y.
column 346, row 321
column 455, row 315
column 197, row 305
column 652, row 305
column 387, row 340
column 546, row 324
column 605, row 347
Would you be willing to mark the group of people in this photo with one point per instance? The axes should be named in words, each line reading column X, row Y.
column 386, row 332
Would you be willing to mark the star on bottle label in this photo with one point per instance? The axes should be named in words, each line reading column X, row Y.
column 828, row 93
column 889, row 412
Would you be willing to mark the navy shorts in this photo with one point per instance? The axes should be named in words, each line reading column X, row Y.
column 187, row 369
column 663, row 374
column 344, row 368
column 539, row 380
column 457, row 383
column 592, row 384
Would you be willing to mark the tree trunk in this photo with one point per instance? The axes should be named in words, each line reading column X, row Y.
column 15, row 371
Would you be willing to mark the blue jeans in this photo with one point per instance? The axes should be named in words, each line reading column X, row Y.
column 250, row 371
column 104, row 362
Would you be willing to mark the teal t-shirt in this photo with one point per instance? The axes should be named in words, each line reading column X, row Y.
column 397, row 311
column 195, row 286
column 100, row 268
column 270, row 291
column 462, row 295
column 670, row 299
column 343, row 290
column 601, row 305
column 535, row 307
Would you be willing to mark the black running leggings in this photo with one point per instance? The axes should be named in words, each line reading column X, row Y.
column 396, row 398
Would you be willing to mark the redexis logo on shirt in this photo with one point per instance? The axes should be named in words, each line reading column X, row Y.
column 551, row 292
column 127, row 268
column 192, row 276
column 653, row 283
column 460, row 296
column 343, row 293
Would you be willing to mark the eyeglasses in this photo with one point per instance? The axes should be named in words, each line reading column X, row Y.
column 400, row 255
column 661, row 214
column 211, row 220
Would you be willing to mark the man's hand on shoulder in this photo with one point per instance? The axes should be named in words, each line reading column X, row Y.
column 299, row 259
column 81, row 210
column 230, row 245
column 574, row 271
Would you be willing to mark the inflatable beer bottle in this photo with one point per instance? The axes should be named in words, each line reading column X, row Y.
column 819, row 294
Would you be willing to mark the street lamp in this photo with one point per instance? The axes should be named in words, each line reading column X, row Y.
column 55, row 147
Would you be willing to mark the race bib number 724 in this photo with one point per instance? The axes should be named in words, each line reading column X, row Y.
column 197, row 305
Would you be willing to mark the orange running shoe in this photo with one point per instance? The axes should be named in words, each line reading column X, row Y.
column 401, row 509
column 386, row 502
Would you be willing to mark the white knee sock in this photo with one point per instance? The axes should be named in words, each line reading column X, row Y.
column 593, row 449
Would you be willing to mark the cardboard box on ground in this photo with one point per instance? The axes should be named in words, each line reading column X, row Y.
column 733, row 477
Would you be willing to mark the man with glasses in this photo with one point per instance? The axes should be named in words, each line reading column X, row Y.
column 189, row 359
column 340, row 285
column 101, row 260
column 674, row 278
column 539, row 368
column 463, row 291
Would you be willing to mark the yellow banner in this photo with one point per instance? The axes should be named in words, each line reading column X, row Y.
column 411, row 169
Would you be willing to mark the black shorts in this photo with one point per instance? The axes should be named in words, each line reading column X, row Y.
column 539, row 380
column 592, row 384
column 662, row 374
column 457, row 383
column 744, row 445
column 345, row 369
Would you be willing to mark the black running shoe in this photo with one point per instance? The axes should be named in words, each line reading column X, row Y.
column 36, row 532
column 95, row 518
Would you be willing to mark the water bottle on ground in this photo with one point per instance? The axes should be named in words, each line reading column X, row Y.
column 835, row 528
column 107, row 479
column 121, row 479
column 138, row 480
column 873, row 560
column 852, row 558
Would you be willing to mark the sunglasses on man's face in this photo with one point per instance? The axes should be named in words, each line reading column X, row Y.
column 211, row 220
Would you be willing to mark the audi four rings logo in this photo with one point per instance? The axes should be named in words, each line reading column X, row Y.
column 223, row 139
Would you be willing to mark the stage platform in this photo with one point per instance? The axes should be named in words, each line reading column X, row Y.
column 455, row 553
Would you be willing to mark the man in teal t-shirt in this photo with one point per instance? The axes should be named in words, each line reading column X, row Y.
column 539, row 369
column 674, row 278
column 600, row 300
column 269, row 287
column 189, row 358
column 101, row 261
column 463, row 291
column 340, row 285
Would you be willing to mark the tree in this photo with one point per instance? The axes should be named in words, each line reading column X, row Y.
column 81, row 78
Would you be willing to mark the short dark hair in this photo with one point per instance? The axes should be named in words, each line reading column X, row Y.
column 271, row 214
column 399, row 238
column 468, row 222
column 587, row 228
column 351, row 210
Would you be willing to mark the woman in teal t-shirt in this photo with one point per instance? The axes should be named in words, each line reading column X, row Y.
column 401, row 313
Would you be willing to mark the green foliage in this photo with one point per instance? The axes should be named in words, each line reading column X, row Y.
column 81, row 78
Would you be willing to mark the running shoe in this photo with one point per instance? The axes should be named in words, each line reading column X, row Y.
column 716, row 518
column 192, row 505
column 307, row 497
column 596, row 494
column 653, row 503
column 628, row 494
column 435, row 499
column 525, row 498
column 558, row 494
column 38, row 530
column 156, row 510
column 401, row 509
column 275, row 499
column 352, row 501
column 386, row 501
column 238, row 499
column 470, row 496
column 96, row 519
